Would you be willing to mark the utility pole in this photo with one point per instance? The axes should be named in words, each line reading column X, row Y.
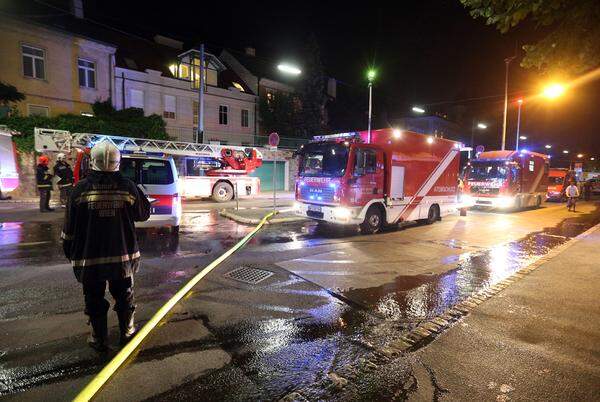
column 370, row 110
column 200, row 133
column 520, row 102
column 507, row 61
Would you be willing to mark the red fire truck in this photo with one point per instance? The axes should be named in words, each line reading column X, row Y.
column 558, row 180
column 205, row 170
column 507, row 179
column 393, row 176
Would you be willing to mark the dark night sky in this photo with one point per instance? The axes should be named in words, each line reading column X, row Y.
column 425, row 52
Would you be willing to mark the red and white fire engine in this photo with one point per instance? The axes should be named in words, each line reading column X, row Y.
column 9, row 176
column 205, row 170
column 507, row 179
column 391, row 177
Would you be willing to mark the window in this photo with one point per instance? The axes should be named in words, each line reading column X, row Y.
column 136, row 98
column 36, row 110
column 245, row 117
column 87, row 73
column 223, row 114
column 366, row 162
column 531, row 166
column 33, row 62
column 238, row 86
column 170, row 106
column 156, row 171
column 195, row 111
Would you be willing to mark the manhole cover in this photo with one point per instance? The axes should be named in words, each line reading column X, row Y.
column 248, row 275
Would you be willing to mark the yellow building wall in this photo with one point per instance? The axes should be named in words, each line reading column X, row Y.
column 60, row 90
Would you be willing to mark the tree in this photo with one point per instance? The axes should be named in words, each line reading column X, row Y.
column 311, row 91
column 571, row 44
column 9, row 93
column 278, row 114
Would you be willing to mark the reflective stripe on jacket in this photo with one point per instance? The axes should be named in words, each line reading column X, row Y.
column 99, row 233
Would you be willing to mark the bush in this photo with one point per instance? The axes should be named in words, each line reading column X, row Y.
column 127, row 123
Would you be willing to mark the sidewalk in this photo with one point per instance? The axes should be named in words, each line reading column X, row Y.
column 539, row 339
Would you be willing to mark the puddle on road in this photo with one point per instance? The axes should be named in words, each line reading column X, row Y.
column 413, row 298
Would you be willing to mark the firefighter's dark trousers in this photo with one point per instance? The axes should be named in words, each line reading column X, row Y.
column 65, row 193
column 44, row 199
column 120, row 289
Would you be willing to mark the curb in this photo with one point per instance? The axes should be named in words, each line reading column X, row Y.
column 254, row 221
column 427, row 331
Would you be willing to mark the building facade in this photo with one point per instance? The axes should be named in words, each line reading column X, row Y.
column 58, row 72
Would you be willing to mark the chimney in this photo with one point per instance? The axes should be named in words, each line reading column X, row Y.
column 77, row 8
column 250, row 51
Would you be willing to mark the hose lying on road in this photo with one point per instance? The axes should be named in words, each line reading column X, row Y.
column 109, row 370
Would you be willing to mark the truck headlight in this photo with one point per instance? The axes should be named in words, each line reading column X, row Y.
column 468, row 200
column 342, row 213
column 505, row 202
column 297, row 206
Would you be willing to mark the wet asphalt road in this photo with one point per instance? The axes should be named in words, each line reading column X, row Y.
column 333, row 298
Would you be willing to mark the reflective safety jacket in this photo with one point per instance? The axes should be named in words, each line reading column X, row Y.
column 99, row 233
column 65, row 173
column 43, row 179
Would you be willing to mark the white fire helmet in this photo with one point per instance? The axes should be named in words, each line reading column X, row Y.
column 61, row 157
column 105, row 157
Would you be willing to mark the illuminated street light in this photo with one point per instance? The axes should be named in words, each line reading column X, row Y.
column 553, row 91
column 289, row 69
column 580, row 156
column 397, row 133
column 481, row 126
column 592, row 158
column 418, row 109
column 565, row 152
column 548, row 146
column 371, row 74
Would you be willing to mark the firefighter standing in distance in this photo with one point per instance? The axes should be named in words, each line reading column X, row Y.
column 99, row 239
column 44, row 183
column 65, row 173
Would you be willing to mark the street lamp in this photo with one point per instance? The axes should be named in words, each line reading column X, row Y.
column 565, row 151
column 580, row 156
column 289, row 69
column 507, row 61
column 553, row 91
column 548, row 146
column 480, row 126
column 418, row 109
column 370, row 76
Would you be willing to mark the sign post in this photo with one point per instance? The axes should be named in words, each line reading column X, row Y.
column 273, row 142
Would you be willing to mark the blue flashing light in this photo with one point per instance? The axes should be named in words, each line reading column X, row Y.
column 333, row 185
column 319, row 198
column 312, row 197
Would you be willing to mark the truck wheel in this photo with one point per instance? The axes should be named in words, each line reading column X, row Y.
column 433, row 214
column 373, row 221
column 222, row 192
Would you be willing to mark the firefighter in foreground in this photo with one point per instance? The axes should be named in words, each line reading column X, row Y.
column 63, row 171
column 99, row 239
column 44, row 183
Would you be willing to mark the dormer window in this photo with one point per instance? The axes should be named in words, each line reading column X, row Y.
column 188, row 68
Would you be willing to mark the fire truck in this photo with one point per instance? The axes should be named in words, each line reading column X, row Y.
column 387, row 177
column 507, row 179
column 205, row 170
column 9, row 176
column 558, row 180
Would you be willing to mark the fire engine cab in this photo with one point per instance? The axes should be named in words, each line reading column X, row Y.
column 507, row 179
column 386, row 177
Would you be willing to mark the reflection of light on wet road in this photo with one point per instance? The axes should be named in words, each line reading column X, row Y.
column 500, row 267
column 11, row 233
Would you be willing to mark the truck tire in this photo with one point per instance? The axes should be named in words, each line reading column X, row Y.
column 373, row 221
column 433, row 214
column 222, row 192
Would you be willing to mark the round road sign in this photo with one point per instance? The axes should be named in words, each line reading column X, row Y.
column 273, row 139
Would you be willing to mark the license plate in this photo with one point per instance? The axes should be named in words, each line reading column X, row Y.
column 315, row 208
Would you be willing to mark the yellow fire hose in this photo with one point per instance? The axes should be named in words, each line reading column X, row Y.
column 109, row 370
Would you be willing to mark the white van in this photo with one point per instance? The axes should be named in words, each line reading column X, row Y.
column 158, row 176
column 9, row 177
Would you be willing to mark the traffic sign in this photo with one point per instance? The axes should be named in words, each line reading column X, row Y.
column 273, row 139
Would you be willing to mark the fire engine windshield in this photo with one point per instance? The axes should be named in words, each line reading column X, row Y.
column 323, row 159
column 556, row 180
column 487, row 170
